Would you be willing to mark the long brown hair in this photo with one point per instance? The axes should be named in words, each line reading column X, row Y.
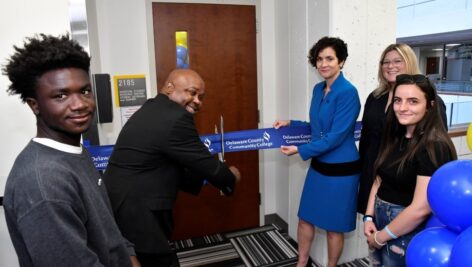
column 429, row 134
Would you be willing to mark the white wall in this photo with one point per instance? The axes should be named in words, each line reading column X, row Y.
column 18, row 19
column 273, row 172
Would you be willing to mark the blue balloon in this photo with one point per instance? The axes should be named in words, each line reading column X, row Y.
column 434, row 222
column 431, row 247
column 181, row 53
column 461, row 254
column 450, row 194
column 180, row 63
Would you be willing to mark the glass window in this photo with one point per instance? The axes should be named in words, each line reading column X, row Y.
column 181, row 50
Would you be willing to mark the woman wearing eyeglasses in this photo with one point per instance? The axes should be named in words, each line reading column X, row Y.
column 396, row 59
column 414, row 145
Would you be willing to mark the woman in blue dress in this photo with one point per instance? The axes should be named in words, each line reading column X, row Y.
column 329, row 195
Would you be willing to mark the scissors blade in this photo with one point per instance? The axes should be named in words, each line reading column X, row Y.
column 222, row 137
column 220, row 156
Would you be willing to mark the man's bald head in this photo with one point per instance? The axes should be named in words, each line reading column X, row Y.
column 185, row 87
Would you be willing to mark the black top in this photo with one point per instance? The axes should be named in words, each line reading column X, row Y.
column 399, row 187
column 373, row 125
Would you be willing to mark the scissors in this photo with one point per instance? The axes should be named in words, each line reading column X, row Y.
column 221, row 155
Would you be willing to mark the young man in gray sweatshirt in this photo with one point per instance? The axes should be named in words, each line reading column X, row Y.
column 56, row 207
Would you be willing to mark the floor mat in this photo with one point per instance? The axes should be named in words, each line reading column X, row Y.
column 263, row 246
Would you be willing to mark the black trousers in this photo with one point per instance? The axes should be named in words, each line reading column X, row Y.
column 158, row 260
column 162, row 220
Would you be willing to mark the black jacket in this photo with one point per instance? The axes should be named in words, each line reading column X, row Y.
column 157, row 153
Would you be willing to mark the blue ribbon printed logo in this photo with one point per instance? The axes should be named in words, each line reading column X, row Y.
column 266, row 136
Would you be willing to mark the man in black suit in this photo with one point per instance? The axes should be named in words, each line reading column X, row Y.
column 159, row 152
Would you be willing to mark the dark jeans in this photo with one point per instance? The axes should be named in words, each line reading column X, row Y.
column 393, row 253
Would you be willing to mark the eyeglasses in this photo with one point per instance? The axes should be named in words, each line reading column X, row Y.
column 407, row 78
column 395, row 62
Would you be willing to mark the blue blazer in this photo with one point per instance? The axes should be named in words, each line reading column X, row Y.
column 332, row 122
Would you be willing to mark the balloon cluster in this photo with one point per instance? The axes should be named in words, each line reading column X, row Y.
column 447, row 238
column 181, row 50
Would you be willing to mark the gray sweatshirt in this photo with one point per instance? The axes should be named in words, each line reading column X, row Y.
column 58, row 213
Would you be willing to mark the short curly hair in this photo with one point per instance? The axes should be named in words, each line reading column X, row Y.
column 40, row 54
column 338, row 45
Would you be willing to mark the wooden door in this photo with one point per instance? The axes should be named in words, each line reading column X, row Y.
column 432, row 65
column 222, row 48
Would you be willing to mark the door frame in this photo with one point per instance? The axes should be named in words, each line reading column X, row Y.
column 153, row 78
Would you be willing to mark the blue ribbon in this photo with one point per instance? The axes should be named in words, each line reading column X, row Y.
column 257, row 139
column 100, row 155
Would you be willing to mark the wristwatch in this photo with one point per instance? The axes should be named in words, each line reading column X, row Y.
column 368, row 218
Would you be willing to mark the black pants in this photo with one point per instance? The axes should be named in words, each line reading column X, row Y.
column 158, row 260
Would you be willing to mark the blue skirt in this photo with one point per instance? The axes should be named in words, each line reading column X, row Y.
column 329, row 202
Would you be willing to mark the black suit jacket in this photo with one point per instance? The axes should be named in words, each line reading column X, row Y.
column 157, row 152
